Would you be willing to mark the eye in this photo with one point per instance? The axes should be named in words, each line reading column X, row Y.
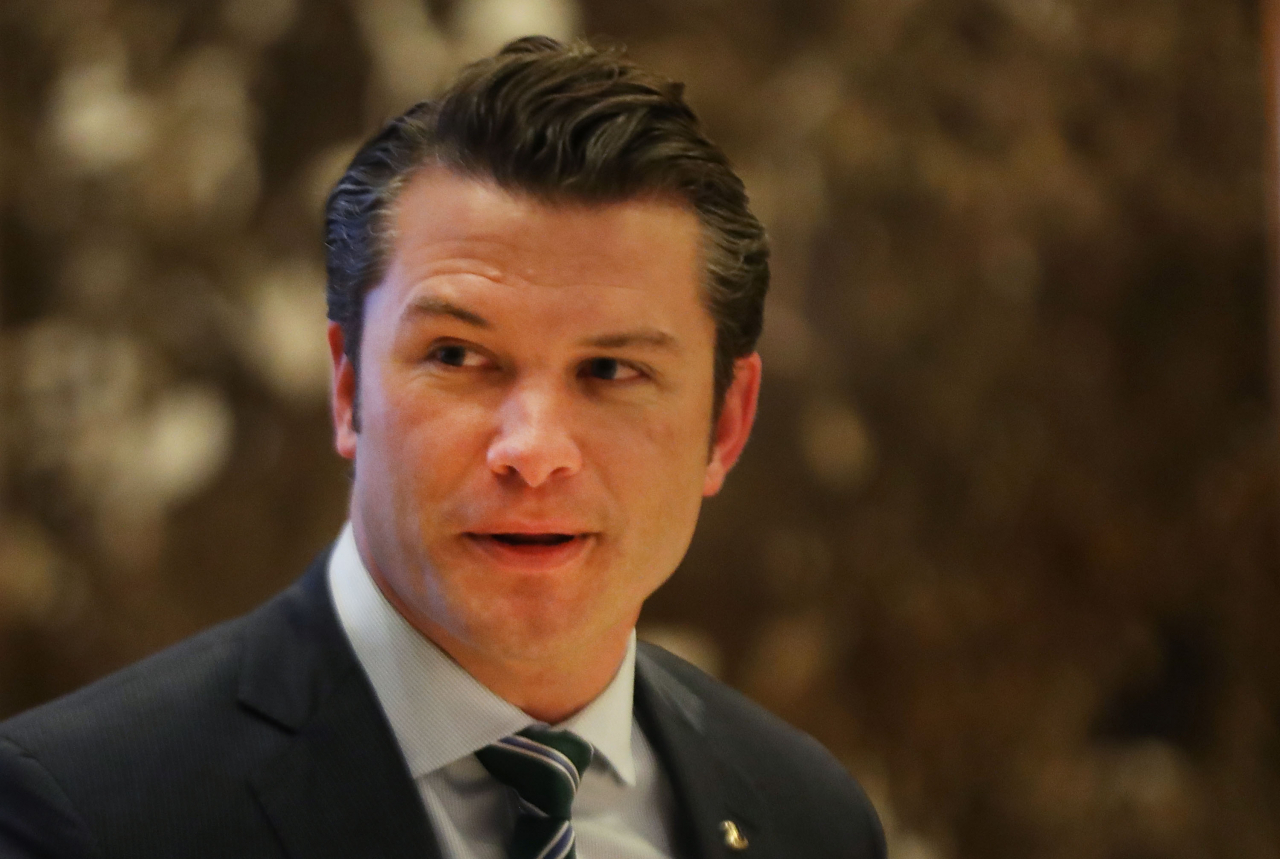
column 456, row 355
column 610, row 370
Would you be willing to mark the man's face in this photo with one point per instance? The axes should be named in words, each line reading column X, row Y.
column 535, row 402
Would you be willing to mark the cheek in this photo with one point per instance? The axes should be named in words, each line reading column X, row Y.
column 655, row 465
column 427, row 442
column 684, row 435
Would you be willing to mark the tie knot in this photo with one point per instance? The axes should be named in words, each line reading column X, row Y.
column 542, row 766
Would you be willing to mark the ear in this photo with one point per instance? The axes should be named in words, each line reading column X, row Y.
column 342, row 399
column 733, row 426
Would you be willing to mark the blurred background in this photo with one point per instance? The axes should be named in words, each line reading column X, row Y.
column 1005, row 537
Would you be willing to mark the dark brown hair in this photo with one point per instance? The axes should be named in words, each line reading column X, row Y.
column 561, row 122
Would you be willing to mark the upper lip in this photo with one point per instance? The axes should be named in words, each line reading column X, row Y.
column 530, row 528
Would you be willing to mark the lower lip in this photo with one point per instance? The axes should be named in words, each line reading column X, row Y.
column 531, row 556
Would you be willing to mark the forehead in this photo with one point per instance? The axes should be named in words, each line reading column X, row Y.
column 443, row 221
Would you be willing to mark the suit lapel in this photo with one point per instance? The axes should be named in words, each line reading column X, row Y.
column 709, row 787
column 339, row 786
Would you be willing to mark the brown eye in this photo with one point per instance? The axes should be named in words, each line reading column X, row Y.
column 457, row 355
column 610, row 370
column 603, row 368
column 454, row 356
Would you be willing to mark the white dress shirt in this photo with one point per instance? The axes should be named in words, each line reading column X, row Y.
column 441, row 715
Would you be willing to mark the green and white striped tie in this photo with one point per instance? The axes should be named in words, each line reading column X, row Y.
column 544, row 768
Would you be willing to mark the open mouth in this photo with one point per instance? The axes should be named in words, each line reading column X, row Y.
column 533, row 539
column 541, row 550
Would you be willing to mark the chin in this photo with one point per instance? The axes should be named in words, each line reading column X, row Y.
column 535, row 641
column 523, row 629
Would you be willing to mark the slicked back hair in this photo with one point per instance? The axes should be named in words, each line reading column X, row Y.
column 563, row 123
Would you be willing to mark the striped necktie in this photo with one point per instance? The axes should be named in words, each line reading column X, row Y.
column 543, row 767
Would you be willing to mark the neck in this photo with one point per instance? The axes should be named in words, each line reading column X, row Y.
column 549, row 690
column 550, row 682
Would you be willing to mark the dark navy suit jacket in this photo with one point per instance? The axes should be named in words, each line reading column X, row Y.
column 262, row 738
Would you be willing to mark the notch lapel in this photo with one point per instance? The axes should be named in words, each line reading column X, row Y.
column 338, row 788
column 709, row 787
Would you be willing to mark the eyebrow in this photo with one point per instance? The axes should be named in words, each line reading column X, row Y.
column 648, row 337
column 652, row 338
column 440, row 307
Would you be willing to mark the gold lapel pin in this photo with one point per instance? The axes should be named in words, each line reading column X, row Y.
column 733, row 837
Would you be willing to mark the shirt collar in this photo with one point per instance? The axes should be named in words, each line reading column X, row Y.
column 438, row 712
column 605, row 723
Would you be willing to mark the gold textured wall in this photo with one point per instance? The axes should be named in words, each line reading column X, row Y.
column 1004, row 538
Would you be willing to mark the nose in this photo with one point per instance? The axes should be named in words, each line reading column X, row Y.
column 533, row 440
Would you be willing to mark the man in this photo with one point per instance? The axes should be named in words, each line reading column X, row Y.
column 545, row 289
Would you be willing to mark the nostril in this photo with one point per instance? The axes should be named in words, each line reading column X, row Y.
column 534, row 453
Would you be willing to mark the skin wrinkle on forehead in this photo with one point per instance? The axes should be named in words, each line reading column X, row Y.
column 391, row 225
